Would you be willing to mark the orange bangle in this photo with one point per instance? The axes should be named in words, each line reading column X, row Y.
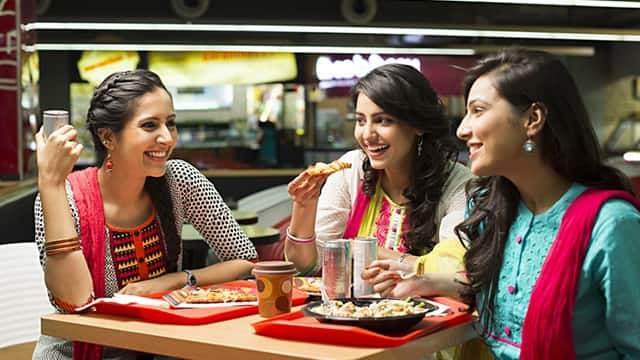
column 55, row 242
column 62, row 245
column 63, row 250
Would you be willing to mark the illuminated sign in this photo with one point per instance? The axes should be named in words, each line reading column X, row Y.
column 356, row 67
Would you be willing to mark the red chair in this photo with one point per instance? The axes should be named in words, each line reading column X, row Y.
column 275, row 251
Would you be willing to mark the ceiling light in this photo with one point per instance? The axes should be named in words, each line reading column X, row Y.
column 585, row 3
column 250, row 48
column 626, row 35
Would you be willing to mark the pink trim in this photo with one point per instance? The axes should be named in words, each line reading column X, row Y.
column 357, row 213
column 503, row 340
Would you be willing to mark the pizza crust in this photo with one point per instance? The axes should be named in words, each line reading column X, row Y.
column 321, row 168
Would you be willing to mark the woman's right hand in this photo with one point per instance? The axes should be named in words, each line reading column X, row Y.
column 57, row 154
column 306, row 188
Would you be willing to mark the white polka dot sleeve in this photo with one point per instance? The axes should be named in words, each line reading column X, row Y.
column 199, row 203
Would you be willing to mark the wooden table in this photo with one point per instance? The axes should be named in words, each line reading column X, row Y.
column 231, row 339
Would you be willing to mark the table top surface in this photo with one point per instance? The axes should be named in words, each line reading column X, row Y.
column 233, row 338
column 245, row 217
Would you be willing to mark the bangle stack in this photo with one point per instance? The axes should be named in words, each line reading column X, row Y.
column 62, row 246
column 300, row 240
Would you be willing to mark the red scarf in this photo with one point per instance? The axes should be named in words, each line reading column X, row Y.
column 547, row 332
column 88, row 199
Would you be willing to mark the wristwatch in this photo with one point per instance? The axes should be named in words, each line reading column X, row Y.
column 191, row 278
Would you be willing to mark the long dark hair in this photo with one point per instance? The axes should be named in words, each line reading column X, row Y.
column 112, row 105
column 402, row 91
column 568, row 143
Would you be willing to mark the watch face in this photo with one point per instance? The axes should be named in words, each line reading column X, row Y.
column 191, row 279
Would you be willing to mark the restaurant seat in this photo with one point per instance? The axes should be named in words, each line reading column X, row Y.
column 23, row 297
column 271, row 205
column 275, row 251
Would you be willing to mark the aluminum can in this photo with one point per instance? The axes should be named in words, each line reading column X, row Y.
column 336, row 268
column 365, row 250
column 53, row 119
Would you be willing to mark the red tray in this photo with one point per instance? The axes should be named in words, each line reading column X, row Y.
column 189, row 316
column 296, row 326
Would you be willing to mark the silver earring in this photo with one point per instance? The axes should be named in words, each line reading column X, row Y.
column 419, row 145
column 529, row 146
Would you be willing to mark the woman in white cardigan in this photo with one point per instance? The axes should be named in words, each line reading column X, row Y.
column 403, row 188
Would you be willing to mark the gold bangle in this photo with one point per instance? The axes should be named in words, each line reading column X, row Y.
column 64, row 250
column 61, row 245
column 55, row 242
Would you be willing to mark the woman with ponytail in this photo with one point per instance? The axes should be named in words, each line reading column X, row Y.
column 116, row 228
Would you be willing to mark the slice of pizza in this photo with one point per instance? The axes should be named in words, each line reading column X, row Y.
column 219, row 295
column 321, row 168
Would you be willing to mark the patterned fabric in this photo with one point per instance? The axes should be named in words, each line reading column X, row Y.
column 384, row 219
column 138, row 253
column 195, row 201
column 604, row 326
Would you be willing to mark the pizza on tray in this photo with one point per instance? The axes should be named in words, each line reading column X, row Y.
column 218, row 295
column 308, row 284
column 321, row 168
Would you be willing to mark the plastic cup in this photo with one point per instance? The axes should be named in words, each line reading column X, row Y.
column 274, row 281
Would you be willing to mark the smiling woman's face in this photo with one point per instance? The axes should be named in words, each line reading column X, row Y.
column 493, row 130
column 387, row 140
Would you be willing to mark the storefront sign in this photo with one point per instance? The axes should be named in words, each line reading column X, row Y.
column 356, row 67
column 95, row 66
column 210, row 68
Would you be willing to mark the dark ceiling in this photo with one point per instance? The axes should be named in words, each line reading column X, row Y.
column 388, row 13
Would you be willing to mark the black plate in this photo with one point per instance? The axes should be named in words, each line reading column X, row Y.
column 388, row 324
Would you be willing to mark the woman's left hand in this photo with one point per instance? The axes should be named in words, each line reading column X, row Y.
column 145, row 287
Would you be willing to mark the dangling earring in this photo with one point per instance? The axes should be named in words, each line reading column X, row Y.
column 109, row 164
column 529, row 146
column 419, row 145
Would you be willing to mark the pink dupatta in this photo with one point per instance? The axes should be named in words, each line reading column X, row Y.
column 547, row 331
column 88, row 199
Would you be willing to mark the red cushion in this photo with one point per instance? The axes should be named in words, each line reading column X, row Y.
column 275, row 251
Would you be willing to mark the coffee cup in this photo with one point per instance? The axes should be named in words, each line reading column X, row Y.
column 274, row 281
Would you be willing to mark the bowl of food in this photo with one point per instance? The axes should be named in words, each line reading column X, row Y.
column 379, row 315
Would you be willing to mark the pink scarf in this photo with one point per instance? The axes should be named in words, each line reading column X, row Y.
column 357, row 213
column 88, row 199
column 547, row 331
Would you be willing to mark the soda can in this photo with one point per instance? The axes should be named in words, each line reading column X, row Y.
column 365, row 250
column 53, row 119
column 336, row 268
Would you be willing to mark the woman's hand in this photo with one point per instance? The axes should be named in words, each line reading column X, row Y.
column 306, row 188
column 57, row 155
column 385, row 277
column 151, row 286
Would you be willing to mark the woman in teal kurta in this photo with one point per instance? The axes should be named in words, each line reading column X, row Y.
column 552, row 231
column 606, row 312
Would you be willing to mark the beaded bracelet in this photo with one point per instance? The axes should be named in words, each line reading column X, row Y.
column 300, row 240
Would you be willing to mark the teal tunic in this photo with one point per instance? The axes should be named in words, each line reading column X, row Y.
column 606, row 318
